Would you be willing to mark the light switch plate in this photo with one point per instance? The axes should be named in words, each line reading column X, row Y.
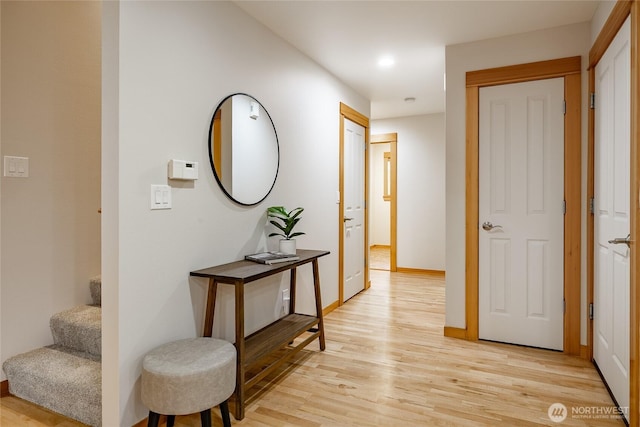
column 16, row 167
column 160, row 197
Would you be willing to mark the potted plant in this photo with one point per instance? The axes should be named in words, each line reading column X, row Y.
column 285, row 222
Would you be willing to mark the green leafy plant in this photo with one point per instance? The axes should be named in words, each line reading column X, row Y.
column 284, row 221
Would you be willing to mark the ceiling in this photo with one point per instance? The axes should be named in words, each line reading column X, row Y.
column 348, row 38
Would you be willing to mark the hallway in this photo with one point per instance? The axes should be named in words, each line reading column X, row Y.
column 387, row 363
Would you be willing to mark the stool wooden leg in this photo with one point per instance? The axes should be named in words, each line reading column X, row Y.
column 171, row 419
column 205, row 418
column 154, row 419
column 224, row 413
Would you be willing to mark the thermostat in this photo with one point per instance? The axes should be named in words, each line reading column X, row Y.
column 182, row 169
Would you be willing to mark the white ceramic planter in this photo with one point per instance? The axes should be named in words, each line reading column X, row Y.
column 288, row 246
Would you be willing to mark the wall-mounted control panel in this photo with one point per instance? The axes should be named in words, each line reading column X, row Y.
column 182, row 169
column 16, row 167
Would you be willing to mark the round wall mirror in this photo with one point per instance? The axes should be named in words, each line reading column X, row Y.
column 243, row 149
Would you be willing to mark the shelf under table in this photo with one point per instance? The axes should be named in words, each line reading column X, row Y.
column 275, row 336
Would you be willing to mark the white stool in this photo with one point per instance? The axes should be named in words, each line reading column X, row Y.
column 189, row 376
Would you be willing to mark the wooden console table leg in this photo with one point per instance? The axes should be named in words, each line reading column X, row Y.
column 292, row 292
column 316, row 287
column 210, row 310
column 240, row 368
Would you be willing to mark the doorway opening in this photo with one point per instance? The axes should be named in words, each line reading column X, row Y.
column 353, row 267
column 570, row 70
column 383, row 201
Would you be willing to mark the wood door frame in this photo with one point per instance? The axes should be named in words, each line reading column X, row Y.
column 616, row 19
column 349, row 113
column 392, row 140
column 570, row 70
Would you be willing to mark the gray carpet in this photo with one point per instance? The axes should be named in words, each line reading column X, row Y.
column 59, row 379
column 67, row 376
column 79, row 328
column 95, row 286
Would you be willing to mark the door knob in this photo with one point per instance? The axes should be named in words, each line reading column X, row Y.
column 347, row 219
column 622, row 240
column 487, row 226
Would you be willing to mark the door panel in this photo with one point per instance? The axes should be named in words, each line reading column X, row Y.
column 612, row 216
column 521, row 191
column 354, row 175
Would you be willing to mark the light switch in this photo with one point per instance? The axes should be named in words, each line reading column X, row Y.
column 16, row 167
column 160, row 197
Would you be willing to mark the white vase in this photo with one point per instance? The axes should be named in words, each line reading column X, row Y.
column 288, row 246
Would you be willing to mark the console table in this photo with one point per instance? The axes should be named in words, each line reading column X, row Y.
column 259, row 347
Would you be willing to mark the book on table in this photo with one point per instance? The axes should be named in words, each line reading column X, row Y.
column 271, row 257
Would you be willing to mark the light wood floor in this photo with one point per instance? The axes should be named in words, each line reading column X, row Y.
column 387, row 363
column 380, row 257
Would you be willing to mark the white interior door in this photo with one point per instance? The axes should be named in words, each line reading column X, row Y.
column 521, row 195
column 611, row 216
column 354, row 152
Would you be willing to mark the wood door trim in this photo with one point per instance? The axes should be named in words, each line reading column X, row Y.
column 354, row 115
column 616, row 19
column 590, row 218
column 524, row 72
column 608, row 32
column 572, row 222
column 634, row 171
column 472, row 200
column 563, row 67
column 381, row 138
column 392, row 139
column 349, row 113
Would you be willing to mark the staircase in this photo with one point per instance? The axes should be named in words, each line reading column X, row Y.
column 65, row 377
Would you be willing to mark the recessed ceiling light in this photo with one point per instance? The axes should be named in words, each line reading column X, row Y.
column 410, row 99
column 386, row 61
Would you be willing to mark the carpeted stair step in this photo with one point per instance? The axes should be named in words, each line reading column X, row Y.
column 95, row 286
column 78, row 329
column 59, row 379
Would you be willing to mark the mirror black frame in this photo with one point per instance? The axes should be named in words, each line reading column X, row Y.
column 211, row 154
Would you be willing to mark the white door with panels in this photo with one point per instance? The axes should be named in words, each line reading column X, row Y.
column 353, row 227
column 612, row 215
column 521, row 212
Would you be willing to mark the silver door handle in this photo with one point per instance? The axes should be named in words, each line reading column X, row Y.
column 347, row 219
column 622, row 240
column 487, row 226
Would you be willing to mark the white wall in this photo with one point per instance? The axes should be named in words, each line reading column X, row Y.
column 421, row 189
column 600, row 17
column 51, row 114
column 174, row 63
column 110, row 182
column 554, row 43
